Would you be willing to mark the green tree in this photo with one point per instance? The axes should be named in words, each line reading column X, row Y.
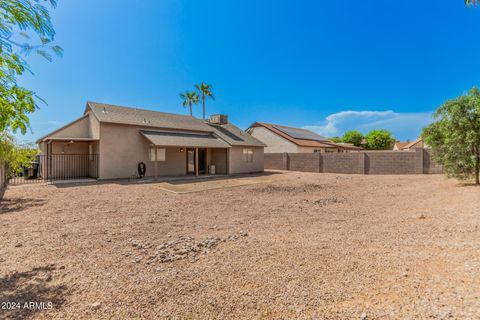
column 21, row 156
column 189, row 99
column 469, row 2
column 379, row 140
column 15, row 155
column 6, row 146
column 455, row 136
column 205, row 90
column 19, row 20
column 354, row 137
column 336, row 139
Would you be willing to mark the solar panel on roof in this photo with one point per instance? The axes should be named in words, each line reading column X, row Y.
column 300, row 133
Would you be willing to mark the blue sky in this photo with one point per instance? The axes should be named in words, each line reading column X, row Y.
column 329, row 66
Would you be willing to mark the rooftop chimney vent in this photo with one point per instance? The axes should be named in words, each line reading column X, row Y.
column 219, row 119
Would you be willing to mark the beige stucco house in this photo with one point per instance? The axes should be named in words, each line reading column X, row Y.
column 280, row 139
column 109, row 142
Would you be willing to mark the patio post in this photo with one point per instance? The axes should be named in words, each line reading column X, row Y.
column 156, row 165
column 196, row 162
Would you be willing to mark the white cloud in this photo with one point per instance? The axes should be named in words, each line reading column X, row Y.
column 50, row 122
column 402, row 125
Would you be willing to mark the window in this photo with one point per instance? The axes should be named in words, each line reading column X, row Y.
column 161, row 154
column 248, row 154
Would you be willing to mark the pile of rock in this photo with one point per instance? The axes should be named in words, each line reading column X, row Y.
column 306, row 188
column 182, row 248
column 327, row 201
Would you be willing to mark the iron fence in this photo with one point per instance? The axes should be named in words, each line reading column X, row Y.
column 47, row 168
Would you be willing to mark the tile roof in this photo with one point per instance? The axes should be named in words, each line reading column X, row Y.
column 146, row 118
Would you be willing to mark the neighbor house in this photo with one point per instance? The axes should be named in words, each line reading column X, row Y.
column 399, row 145
column 417, row 144
column 280, row 139
column 112, row 142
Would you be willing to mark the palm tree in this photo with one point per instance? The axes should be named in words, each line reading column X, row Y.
column 206, row 91
column 189, row 98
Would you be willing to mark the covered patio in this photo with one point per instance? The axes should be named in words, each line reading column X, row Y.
column 204, row 153
column 69, row 158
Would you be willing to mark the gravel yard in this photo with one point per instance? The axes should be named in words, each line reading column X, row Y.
column 297, row 245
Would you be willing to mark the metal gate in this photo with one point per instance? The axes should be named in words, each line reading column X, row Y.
column 54, row 167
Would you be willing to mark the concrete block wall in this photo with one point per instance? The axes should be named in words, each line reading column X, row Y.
column 353, row 163
column 305, row 162
column 390, row 162
column 275, row 161
column 430, row 167
column 370, row 162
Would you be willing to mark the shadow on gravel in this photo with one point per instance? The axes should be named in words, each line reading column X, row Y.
column 24, row 294
column 171, row 180
column 468, row 184
column 18, row 204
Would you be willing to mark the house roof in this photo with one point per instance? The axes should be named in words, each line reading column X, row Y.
column 348, row 146
column 186, row 127
column 146, row 118
column 289, row 133
column 186, row 139
column 401, row 145
column 412, row 144
column 234, row 136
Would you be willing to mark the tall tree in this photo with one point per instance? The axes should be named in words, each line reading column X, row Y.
column 336, row 139
column 189, row 99
column 205, row 90
column 455, row 136
column 379, row 140
column 354, row 137
column 20, row 20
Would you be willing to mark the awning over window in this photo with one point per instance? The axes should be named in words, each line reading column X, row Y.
column 183, row 139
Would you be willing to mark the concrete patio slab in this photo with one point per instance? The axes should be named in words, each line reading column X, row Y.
column 191, row 186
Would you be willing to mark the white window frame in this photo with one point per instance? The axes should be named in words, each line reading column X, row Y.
column 248, row 155
column 157, row 154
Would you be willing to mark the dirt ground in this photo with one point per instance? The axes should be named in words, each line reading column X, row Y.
column 297, row 246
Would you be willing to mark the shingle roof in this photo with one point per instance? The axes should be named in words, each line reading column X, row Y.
column 401, row 145
column 412, row 144
column 299, row 133
column 300, row 142
column 314, row 140
column 234, row 136
column 195, row 140
column 348, row 146
column 146, row 118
